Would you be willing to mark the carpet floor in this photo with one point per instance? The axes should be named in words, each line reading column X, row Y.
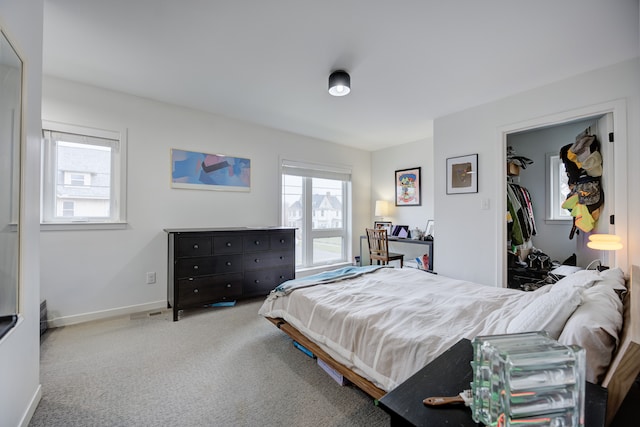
column 215, row 367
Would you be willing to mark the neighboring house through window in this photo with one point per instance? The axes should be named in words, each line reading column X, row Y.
column 83, row 174
column 316, row 200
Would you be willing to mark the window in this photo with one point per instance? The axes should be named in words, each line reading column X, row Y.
column 316, row 200
column 68, row 208
column 77, row 179
column 83, row 175
column 558, row 189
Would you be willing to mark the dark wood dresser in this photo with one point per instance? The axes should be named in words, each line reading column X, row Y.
column 209, row 265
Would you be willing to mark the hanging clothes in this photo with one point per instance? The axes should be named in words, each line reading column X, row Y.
column 583, row 163
column 520, row 211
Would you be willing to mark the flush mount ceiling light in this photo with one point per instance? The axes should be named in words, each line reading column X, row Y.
column 339, row 83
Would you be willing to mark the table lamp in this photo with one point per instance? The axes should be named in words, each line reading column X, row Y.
column 382, row 208
column 603, row 242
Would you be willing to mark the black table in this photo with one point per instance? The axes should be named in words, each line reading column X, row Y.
column 397, row 244
column 448, row 375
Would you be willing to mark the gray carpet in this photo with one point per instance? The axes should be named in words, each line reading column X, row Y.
column 215, row 367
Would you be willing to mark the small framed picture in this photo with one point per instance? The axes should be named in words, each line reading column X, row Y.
column 408, row 187
column 462, row 174
column 383, row 225
column 429, row 230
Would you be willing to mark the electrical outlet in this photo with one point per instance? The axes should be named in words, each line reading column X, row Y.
column 151, row 277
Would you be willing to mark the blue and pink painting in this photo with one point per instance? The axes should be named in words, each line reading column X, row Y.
column 202, row 171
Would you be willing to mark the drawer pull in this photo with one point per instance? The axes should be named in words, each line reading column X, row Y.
column 228, row 244
column 282, row 240
column 257, row 260
column 257, row 242
column 195, row 267
column 282, row 277
column 195, row 291
column 228, row 263
column 281, row 256
column 191, row 279
column 256, row 281
column 196, row 246
column 228, row 285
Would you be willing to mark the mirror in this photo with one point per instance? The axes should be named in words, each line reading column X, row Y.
column 10, row 137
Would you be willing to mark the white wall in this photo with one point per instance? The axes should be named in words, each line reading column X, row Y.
column 467, row 245
column 92, row 274
column 20, row 348
column 384, row 163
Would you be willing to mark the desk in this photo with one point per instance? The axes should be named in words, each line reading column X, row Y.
column 448, row 375
column 409, row 247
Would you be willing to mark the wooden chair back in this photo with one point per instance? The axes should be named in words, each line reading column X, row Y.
column 379, row 247
column 378, row 243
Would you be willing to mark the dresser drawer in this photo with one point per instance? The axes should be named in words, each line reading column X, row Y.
column 261, row 282
column 199, row 266
column 193, row 246
column 256, row 242
column 203, row 290
column 227, row 263
column 259, row 260
column 227, row 244
column 281, row 241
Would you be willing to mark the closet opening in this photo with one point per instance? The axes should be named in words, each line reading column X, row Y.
column 534, row 171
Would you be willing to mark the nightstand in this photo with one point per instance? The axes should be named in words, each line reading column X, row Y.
column 448, row 375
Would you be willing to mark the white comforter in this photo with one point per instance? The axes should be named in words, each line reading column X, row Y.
column 388, row 324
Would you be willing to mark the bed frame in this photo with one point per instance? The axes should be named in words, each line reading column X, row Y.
column 625, row 365
column 360, row 382
column 621, row 374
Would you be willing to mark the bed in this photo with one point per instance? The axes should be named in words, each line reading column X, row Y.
column 378, row 325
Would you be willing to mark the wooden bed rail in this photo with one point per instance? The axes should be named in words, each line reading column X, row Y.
column 625, row 366
column 360, row 382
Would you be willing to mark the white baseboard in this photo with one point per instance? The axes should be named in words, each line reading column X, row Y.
column 31, row 409
column 105, row 314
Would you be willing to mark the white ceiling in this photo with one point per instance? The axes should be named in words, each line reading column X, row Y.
column 268, row 62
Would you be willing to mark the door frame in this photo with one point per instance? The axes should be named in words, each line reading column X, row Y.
column 618, row 108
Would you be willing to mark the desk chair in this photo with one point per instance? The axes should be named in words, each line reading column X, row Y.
column 379, row 247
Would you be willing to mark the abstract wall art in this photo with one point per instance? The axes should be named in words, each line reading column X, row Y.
column 202, row 171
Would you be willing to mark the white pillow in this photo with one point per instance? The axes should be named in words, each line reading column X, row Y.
column 595, row 326
column 613, row 277
column 547, row 312
column 565, row 270
column 579, row 279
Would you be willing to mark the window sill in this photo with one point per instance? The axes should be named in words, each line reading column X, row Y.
column 558, row 221
column 76, row 226
column 308, row 271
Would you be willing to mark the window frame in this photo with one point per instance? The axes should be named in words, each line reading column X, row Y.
column 118, row 180
column 555, row 213
column 308, row 171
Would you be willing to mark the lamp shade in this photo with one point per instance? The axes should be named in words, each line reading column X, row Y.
column 339, row 83
column 604, row 242
column 381, row 208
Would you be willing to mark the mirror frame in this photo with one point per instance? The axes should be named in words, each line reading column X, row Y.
column 11, row 146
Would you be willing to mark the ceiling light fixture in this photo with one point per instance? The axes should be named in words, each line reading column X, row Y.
column 339, row 83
